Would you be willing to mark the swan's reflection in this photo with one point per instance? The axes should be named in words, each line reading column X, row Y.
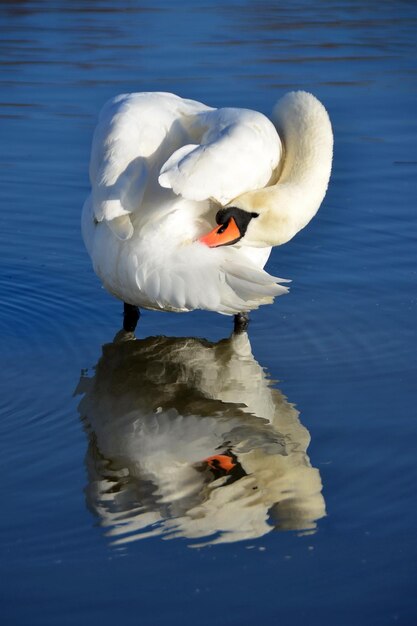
column 188, row 439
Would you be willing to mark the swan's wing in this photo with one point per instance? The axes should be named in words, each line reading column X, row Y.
column 131, row 130
column 239, row 151
column 118, row 170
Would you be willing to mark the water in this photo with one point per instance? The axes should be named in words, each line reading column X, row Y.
column 85, row 539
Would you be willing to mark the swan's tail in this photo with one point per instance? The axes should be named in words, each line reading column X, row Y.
column 214, row 279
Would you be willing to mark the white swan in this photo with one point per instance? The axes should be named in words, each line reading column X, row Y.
column 189, row 439
column 165, row 170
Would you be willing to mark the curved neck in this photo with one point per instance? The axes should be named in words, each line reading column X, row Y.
column 304, row 126
column 287, row 205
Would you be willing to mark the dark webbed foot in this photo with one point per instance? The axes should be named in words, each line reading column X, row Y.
column 241, row 322
column 131, row 315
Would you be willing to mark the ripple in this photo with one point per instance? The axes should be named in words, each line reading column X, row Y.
column 43, row 314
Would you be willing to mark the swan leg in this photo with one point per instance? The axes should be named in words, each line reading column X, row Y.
column 241, row 323
column 131, row 315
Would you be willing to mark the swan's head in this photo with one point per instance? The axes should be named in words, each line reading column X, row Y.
column 232, row 225
column 255, row 219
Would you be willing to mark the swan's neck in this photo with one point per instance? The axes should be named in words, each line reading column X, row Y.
column 305, row 128
column 288, row 205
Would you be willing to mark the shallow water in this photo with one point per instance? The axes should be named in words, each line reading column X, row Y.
column 93, row 528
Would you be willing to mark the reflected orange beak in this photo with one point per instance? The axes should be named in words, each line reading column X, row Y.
column 222, row 235
column 220, row 461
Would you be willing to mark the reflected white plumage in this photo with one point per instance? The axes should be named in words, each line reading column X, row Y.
column 158, row 411
column 164, row 171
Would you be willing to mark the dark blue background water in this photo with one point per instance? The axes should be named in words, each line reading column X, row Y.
column 342, row 344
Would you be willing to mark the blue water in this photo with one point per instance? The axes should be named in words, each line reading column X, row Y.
column 337, row 356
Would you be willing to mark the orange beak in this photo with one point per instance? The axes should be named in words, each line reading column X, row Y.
column 220, row 461
column 223, row 235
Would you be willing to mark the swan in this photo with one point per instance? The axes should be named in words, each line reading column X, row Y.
column 187, row 200
column 188, row 438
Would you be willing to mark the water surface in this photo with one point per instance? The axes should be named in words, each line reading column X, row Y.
column 316, row 522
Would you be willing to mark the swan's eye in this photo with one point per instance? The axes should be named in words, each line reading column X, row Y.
column 223, row 227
